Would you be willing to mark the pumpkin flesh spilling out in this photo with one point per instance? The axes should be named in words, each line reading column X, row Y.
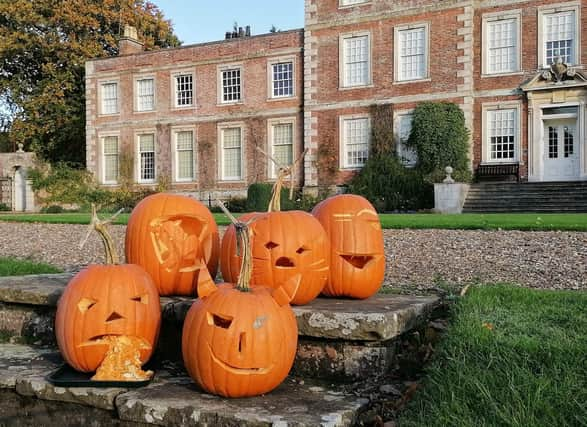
column 169, row 236
column 239, row 341
column 357, row 258
column 108, row 309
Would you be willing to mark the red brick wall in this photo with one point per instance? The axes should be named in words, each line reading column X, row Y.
column 203, row 60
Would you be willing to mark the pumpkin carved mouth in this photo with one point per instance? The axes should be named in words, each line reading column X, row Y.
column 358, row 261
column 104, row 340
column 236, row 370
column 284, row 262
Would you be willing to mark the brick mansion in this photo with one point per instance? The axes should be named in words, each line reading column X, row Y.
column 193, row 115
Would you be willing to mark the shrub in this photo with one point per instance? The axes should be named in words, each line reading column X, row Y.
column 440, row 138
column 390, row 186
column 237, row 204
column 259, row 195
column 53, row 209
column 4, row 207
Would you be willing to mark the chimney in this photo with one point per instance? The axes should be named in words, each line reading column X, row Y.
column 129, row 43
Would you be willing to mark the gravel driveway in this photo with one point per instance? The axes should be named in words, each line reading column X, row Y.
column 416, row 259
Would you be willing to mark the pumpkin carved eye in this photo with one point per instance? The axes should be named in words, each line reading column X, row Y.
column 223, row 322
column 143, row 299
column 271, row 245
column 302, row 250
column 85, row 304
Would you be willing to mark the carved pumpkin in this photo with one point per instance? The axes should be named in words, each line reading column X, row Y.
column 106, row 300
column 288, row 248
column 169, row 235
column 238, row 341
column 357, row 261
column 102, row 302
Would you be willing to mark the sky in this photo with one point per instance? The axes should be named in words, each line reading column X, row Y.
column 197, row 21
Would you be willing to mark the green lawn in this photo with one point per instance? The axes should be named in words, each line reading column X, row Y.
column 511, row 357
column 527, row 222
column 17, row 267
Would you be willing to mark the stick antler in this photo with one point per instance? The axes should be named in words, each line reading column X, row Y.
column 284, row 172
column 98, row 225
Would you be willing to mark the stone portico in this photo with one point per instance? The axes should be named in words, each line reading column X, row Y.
column 15, row 187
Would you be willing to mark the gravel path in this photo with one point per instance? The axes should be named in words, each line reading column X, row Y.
column 416, row 259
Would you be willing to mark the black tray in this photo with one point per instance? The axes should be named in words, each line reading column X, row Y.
column 66, row 376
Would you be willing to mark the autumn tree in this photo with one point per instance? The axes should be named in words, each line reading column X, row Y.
column 44, row 45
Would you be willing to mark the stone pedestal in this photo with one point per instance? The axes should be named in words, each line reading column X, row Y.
column 449, row 198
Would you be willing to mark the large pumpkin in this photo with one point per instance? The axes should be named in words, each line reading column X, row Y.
column 288, row 248
column 238, row 341
column 104, row 304
column 169, row 236
column 357, row 261
column 106, row 300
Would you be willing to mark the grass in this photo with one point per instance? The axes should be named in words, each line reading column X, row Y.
column 511, row 357
column 524, row 222
column 17, row 267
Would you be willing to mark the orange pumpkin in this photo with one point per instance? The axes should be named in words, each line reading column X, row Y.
column 238, row 341
column 357, row 261
column 104, row 301
column 169, row 235
column 288, row 248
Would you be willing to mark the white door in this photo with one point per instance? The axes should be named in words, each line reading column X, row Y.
column 19, row 190
column 561, row 150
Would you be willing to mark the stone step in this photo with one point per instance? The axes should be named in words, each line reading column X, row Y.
column 173, row 399
column 341, row 340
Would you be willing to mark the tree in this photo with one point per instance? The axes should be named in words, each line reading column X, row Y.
column 44, row 45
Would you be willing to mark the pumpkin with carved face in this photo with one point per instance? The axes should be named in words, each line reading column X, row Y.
column 106, row 301
column 239, row 341
column 357, row 258
column 169, row 236
column 288, row 248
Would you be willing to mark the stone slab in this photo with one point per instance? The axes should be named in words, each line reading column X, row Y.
column 24, row 369
column 174, row 399
column 379, row 318
column 42, row 289
column 178, row 401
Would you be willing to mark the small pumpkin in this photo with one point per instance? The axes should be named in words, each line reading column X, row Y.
column 288, row 248
column 239, row 341
column 169, row 236
column 103, row 301
column 357, row 258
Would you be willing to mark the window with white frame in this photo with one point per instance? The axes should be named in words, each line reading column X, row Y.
column 110, row 159
column 109, row 96
column 355, row 60
column 184, row 155
column 231, row 85
column 231, row 139
column 407, row 155
column 184, row 90
column 355, row 136
column 560, row 39
column 282, row 84
column 146, row 94
column 501, row 126
column 502, row 46
column 352, row 2
column 412, row 53
column 146, row 157
column 281, row 145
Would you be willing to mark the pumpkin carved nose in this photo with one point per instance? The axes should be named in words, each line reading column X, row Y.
column 114, row 316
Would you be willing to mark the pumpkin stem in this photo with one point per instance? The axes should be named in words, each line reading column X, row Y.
column 99, row 226
column 284, row 173
column 243, row 239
